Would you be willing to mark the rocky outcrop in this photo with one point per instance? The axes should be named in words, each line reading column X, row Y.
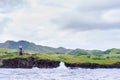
column 29, row 63
column 92, row 65
column 40, row 63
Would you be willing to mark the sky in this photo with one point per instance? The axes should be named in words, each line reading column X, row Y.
column 85, row 24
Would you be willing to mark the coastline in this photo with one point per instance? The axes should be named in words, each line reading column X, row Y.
column 45, row 63
column 93, row 65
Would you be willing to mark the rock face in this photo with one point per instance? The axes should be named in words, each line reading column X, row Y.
column 29, row 63
column 92, row 65
column 32, row 62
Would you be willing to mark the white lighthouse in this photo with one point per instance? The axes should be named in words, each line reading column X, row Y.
column 20, row 49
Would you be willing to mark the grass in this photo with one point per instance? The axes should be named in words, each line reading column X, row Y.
column 103, row 59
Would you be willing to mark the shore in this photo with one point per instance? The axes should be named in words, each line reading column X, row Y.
column 92, row 65
column 42, row 63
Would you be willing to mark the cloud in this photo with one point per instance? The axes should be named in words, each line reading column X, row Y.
column 82, row 5
column 100, row 14
column 68, row 23
column 84, row 22
column 83, row 26
column 3, row 23
column 10, row 5
column 32, row 22
column 98, row 5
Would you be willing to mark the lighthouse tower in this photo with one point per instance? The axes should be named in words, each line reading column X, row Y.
column 20, row 49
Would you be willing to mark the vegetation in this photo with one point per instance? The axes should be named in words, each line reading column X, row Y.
column 110, row 56
column 31, row 46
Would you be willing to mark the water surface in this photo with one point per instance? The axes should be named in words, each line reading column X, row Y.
column 60, row 73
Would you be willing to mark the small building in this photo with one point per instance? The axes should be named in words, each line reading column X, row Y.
column 20, row 49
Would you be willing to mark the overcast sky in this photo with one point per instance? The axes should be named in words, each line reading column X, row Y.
column 85, row 24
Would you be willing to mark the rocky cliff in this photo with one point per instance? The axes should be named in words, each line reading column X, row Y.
column 92, row 65
column 29, row 63
column 40, row 63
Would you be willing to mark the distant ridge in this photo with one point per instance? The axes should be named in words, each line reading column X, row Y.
column 32, row 46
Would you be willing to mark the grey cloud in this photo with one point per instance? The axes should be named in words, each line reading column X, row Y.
column 10, row 5
column 83, row 5
column 88, row 16
column 54, row 3
column 79, row 24
column 83, row 26
column 92, row 5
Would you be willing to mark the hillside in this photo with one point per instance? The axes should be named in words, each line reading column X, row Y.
column 29, row 46
column 112, row 51
column 32, row 47
column 110, row 56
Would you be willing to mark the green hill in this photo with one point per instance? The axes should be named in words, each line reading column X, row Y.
column 32, row 47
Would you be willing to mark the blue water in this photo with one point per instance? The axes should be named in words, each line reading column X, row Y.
column 60, row 73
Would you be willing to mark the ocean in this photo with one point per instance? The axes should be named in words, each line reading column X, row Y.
column 60, row 73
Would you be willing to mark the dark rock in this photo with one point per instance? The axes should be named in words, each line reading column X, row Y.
column 29, row 63
column 46, row 64
column 92, row 65
column 32, row 62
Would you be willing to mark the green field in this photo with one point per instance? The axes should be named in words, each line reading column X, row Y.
column 107, row 57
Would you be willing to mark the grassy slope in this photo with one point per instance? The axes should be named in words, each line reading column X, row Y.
column 102, row 59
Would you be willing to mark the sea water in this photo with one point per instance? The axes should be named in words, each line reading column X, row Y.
column 60, row 73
